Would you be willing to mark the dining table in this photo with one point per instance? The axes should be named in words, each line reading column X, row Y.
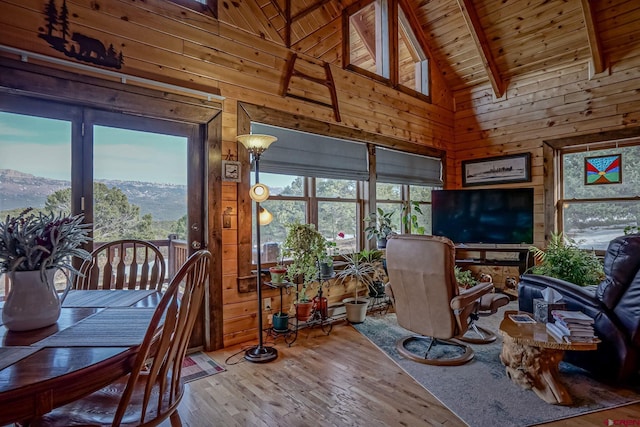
column 93, row 343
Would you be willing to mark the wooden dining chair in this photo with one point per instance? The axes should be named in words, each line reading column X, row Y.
column 153, row 390
column 123, row 264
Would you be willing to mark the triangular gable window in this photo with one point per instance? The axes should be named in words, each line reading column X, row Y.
column 369, row 45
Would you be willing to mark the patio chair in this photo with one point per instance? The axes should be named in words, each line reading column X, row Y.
column 154, row 389
column 123, row 264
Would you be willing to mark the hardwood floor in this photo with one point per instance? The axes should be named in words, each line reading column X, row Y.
column 336, row 380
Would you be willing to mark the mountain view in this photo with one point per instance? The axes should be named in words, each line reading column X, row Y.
column 166, row 202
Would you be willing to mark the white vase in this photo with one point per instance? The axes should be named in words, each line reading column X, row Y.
column 31, row 303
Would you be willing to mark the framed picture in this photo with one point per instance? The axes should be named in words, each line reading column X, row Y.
column 603, row 170
column 231, row 170
column 497, row 170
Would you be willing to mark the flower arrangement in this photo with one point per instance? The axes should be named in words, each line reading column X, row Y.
column 36, row 241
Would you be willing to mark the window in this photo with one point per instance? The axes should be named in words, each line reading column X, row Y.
column 402, row 200
column 322, row 180
column 332, row 202
column 595, row 214
column 369, row 48
column 371, row 34
column 413, row 64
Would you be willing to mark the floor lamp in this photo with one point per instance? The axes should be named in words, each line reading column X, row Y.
column 256, row 144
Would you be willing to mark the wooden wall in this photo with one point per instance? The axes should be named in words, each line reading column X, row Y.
column 560, row 102
column 168, row 43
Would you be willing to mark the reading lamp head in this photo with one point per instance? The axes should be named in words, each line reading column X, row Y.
column 256, row 143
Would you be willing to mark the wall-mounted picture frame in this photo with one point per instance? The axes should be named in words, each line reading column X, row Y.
column 231, row 171
column 600, row 170
column 497, row 170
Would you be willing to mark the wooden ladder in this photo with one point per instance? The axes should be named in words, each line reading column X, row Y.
column 327, row 81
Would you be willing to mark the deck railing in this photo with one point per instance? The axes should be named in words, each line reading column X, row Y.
column 174, row 250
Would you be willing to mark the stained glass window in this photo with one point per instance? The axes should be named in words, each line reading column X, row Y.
column 603, row 170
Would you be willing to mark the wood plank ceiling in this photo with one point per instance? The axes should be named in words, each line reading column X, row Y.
column 472, row 42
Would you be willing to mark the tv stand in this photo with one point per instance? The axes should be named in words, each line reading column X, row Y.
column 503, row 256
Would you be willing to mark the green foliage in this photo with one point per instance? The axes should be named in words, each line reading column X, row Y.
column 115, row 218
column 464, row 277
column 306, row 246
column 361, row 267
column 410, row 213
column 564, row 260
column 330, row 252
column 31, row 242
column 380, row 224
column 631, row 229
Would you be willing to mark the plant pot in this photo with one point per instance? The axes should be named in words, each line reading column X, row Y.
column 381, row 243
column 277, row 274
column 32, row 303
column 322, row 304
column 356, row 310
column 376, row 290
column 326, row 270
column 303, row 310
column 280, row 322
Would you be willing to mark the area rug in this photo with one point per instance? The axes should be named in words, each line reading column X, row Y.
column 480, row 392
column 199, row 365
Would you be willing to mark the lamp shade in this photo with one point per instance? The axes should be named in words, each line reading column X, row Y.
column 256, row 143
column 265, row 217
column 259, row 192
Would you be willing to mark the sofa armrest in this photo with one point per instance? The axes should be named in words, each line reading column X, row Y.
column 616, row 358
column 531, row 286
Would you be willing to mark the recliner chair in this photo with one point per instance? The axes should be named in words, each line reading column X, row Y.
column 614, row 304
column 426, row 296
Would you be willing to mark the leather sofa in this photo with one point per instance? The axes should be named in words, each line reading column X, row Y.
column 614, row 304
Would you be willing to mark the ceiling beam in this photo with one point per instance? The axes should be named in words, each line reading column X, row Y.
column 595, row 45
column 475, row 29
column 309, row 9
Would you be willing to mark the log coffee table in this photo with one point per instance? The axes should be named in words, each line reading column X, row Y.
column 531, row 356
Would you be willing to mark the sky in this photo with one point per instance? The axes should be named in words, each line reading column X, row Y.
column 42, row 147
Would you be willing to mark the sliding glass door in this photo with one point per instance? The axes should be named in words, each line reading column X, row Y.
column 131, row 176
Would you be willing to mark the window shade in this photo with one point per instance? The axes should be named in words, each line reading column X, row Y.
column 306, row 154
column 396, row 167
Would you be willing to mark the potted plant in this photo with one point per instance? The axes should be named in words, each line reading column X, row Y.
column 376, row 258
column 32, row 248
column 305, row 246
column 360, row 268
column 464, row 278
column 278, row 272
column 563, row 259
column 410, row 213
column 380, row 227
column 326, row 260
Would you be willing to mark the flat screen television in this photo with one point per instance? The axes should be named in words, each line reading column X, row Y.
column 493, row 216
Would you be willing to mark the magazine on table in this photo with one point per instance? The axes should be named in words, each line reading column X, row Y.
column 562, row 337
column 574, row 331
column 522, row 318
column 572, row 316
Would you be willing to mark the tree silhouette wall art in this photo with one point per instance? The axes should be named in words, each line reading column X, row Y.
column 73, row 44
